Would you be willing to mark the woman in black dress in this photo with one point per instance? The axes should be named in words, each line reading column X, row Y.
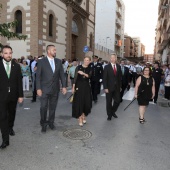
column 82, row 101
column 144, row 91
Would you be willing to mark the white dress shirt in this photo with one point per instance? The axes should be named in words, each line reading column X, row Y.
column 51, row 59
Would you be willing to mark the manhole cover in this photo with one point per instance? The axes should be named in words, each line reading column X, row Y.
column 77, row 134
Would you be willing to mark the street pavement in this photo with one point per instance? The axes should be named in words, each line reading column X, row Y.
column 120, row 144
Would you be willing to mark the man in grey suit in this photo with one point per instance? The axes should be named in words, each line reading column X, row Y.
column 48, row 76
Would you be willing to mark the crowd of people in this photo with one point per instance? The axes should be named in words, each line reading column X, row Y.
column 50, row 75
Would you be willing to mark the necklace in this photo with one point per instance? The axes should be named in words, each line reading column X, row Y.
column 147, row 79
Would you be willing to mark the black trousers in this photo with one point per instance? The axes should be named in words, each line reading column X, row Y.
column 124, row 86
column 95, row 87
column 111, row 107
column 157, row 85
column 134, row 75
column 167, row 92
column 48, row 102
column 7, row 117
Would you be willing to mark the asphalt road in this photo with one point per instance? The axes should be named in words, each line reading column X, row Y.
column 121, row 144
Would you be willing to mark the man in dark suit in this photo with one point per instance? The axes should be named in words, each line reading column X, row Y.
column 96, row 77
column 125, row 78
column 49, row 73
column 157, row 73
column 11, row 91
column 112, row 77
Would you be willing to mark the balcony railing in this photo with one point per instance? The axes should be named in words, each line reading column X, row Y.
column 164, row 39
column 119, row 12
column 118, row 32
column 119, row 2
column 118, row 22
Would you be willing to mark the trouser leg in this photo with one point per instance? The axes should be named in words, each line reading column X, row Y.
column 11, row 107
column 52, row 107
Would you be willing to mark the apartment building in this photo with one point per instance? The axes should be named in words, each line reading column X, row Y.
column 142, row 49
column 109, row 28
column 138, row 46
column 162, row 39
column 129, row 47
column 67, row 24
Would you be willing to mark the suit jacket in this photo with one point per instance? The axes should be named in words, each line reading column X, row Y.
column 48, row 81
column 14, row 83
column 125, row 76
column 97, row 71
column 110, row 81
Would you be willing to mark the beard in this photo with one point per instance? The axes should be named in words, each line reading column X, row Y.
column 54, row 55
column 7, row 59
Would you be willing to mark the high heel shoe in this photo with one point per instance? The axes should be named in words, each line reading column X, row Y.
column 80, row 122
column 84, row 120
column 141, row 121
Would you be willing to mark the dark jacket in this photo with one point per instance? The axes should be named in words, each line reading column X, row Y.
column 97, row 71
column 110, row 81
column 48, row 81
column 125, row 76
column 14, row 83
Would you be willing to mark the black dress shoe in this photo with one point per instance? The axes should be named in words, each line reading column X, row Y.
column 52, row 127
column 33, row 101
column 114, row 115
column 44, row 128
column 109, row 118
column 11, row 132
column 4, row 145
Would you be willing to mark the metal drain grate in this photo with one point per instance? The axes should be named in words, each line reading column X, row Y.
column 77, row 134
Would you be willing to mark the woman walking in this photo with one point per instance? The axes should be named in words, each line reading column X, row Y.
column 82, row 101
column 25, row 74
column 144, row 91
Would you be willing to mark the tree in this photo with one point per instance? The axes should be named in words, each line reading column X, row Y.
column 5, row 30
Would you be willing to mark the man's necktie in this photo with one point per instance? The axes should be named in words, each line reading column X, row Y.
column 122, row 70
column 8, row 69
column 52, row 65
column 114, row 69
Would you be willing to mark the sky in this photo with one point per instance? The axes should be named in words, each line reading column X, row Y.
column 141, row 20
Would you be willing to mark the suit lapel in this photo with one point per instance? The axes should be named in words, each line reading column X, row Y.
column 12, row 69
column 111, row 69
column 48, row 64
column 55, row 62
column 3, row 69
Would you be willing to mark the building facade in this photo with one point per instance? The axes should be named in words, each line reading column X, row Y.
column 109, row 30
column 67, row 24
column 138, row 46
column 162, row 39
column 149, row 58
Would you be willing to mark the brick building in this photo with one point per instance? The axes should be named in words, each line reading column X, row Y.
column 68, row 24
column 130, row 47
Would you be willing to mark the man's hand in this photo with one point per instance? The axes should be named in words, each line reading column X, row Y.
column 20, row 99
column 39, row 92
column 100, row 80
column 106, row 90
column 64, row 91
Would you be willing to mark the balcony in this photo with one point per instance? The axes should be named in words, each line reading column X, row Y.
column 119, row 3
column 118, row 22
column 160, row 49
column 119, row 12
column 164, row 39
column 168, row 26
column 118, row 33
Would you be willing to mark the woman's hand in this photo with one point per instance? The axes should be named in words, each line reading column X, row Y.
column 136, row 96
column 81, row 72
column 73, row 90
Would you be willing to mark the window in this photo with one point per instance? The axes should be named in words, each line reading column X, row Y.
column 91, row 41
column 50, row 25
column 74, row 27
column 18, row 18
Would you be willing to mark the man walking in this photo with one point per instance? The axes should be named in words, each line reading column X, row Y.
column 48, row 76
column 96, row 77
column 11, row 91
column 112, row 76
column 156, row 74
column 125, row 78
